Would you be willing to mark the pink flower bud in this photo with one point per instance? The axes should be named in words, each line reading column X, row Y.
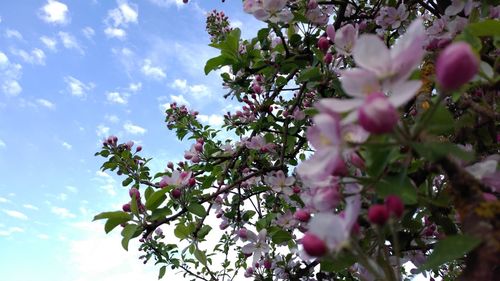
column 330, row 32
column 313, row 245
column 176, row 193
column 200, row 140
column 323, row 44
column 198, row 147
column 377, row 115
column 312, row 4
column 133, row 192
column 138, row 148
column 243, row 233
column 191, row 182
column 126, row 207
column 378, row 214
column 456, row 65
column 302, row 215
column 357, row 161
column 328, row 58
column 267, row 264
column 170, row 165
column 395, row 205
column 248, row 272
column 296, row 189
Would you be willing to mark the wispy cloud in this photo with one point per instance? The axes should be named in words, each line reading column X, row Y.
column 3, row 200
column 112, row 118
column 10, row 231
column 102, row 130
column 62, row 212
column 45, row 103
column 69, row 41
column 2, row 145
column 49, row 42
column 152, row 71
column 88, row 32
column 10, row 73
column 43, row 236
column 107, row 182
column 54, row 12
column 117, row 97
column 119, row 18
column 12, row 33
column 31, row 207
column 16, row 214
column 66, row 145
column 179, row 99
column 77, row 88
column 134, row 129
column 71, row 188
column 36, row 56
column 212, row 120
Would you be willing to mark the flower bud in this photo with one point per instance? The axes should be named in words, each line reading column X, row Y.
column 268, row 264
column 133, row 192
column 378, row 214
column 328, row 58
column 312, row 4
column 330, row 32
column 126, row 207
column 243, row 233
column 456, row 65
column 377, row 115
column 313, row 245
column 395, row 206
column 323, row 44
column 191, row 182
column 198, row 147
column 138, row 148
column 170, row 165
column 302, row 215
column 176, row 193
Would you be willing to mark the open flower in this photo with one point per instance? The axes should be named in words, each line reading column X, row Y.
column 268, row 10
column 335, row 229
column 258, row 245
column 280, row 183
column 381, row 70
column 177, row 179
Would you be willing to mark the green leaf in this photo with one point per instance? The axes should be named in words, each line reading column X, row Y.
column 114, row 222
column 485, row 28
column 340, row 263
column 397, row 185
column 442, row 122
column 450, row 249
column 127, row 181
column 113, row 215
column 156, row 198
column 160, row 213
column 162, row 272
column 215, row 63
column 181, row 231
column 200, row 256
column 377, row 157
column 311, row 74
column 204, row 230
column 280, row 236
column 197, row 209
column 434, row 151
column 134, row 207
column 128, row 232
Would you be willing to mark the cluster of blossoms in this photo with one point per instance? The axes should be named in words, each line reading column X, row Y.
column 218, row 26
column 353, row 148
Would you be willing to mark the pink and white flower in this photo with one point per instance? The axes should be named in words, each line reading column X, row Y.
column 345, row 39
column 177, row 179
column 258, row 245
column 280, row 183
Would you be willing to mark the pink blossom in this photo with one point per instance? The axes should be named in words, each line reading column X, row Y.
column 456, row 65
column 377, row 115
column 280, row 183
column 259, row 143
column 177, row 179
column 345, row 39
column 486, row 171
column 333, row 229
column 258, row 245
column 268, row 10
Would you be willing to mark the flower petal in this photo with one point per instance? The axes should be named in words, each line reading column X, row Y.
column 358, row 82
column 403, row 92
column 371, row 53
column 338, row 105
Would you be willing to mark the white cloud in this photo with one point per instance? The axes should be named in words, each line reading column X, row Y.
column 10, row 73
column 179, row 100
column 116, row 97
column 66, row 145
column 112, row 118
column 12, row 33
column 16, row 214
column 10, row 231
column 168, row 3
column 198, row 91
column 62, row 196
column 102, row 131
column 179, row 84
column 212, row 120
column 71, row 188
column 76, row 87
column 88, row 32
column 113, row 32
column 49, row 42
column 3, row 200
column 134, row 129
column 119, row 18
column 31, row 207
column 69, row 41
column 135, row 87
column 46, row 103
column 36, row 56
column 152, row 71
column 62, row 212
column 43, row 236
column 108, row 183
column 54, row 12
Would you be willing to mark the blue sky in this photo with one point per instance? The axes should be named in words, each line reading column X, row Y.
column 71, row 73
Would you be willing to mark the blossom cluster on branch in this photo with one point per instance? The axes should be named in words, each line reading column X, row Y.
column 366, row 147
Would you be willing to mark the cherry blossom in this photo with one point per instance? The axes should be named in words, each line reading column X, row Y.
column 280, row 183
column 258, row 245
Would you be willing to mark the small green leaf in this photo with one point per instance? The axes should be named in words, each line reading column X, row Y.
column 340, row 263
column 114, row 222
column 162, row 272
column 113, row 215
column 128, row 232
column 280, row 236
column 134, row 207
column 197, row 209
column 436, row 151
column 127, row 181
column 485, row 28
column 204, row 231
column 442, row 121
column 200, row 256
column 377, row 157
column 181, row 231
column 156, row 198
column 398, row 185
column 311, row 74
column 450, row 249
